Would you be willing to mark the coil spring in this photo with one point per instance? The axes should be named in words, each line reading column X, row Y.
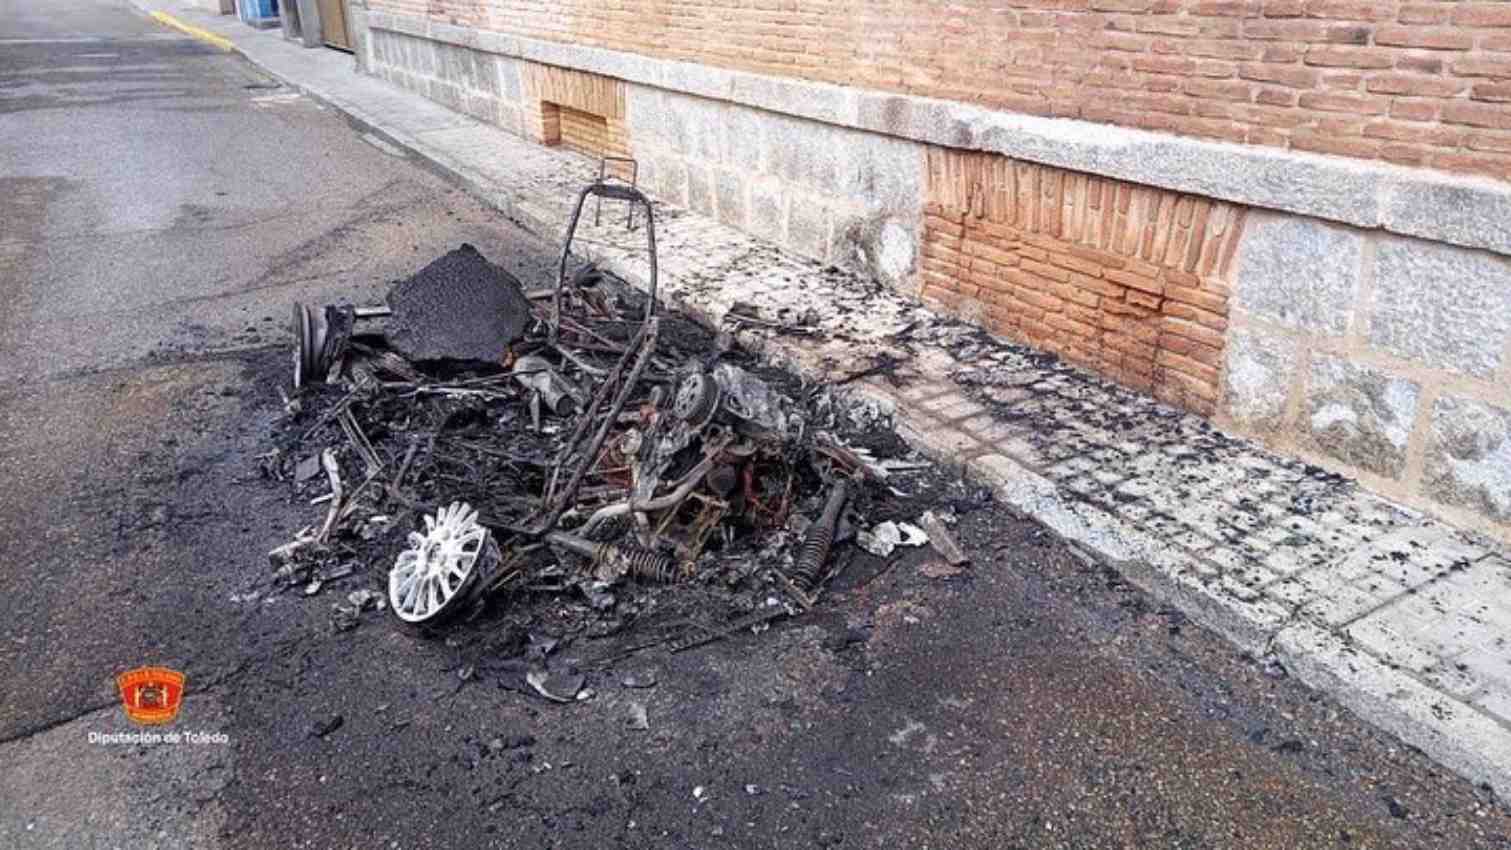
column 643, row 564
column 652, row 566
column 808, row 568
column 805, row 573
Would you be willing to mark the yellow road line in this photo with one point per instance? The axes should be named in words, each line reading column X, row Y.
column 168, row 20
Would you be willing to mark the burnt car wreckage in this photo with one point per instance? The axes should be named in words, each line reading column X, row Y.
column 575, row 441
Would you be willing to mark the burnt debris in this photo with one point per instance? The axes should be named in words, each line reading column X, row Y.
column 487, row 450
column 460, row 307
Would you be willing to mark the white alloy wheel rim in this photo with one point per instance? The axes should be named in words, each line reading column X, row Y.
column 438, row 565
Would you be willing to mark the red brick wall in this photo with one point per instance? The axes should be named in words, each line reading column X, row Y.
column 1127, row 280
column 1420, row 83
column 589, row 134
column 577, row 110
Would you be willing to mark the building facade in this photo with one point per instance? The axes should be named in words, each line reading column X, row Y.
column 1291, row 216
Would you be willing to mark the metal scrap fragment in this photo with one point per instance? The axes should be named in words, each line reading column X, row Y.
column 565, row 687
column 333, row 472
column 536, row 374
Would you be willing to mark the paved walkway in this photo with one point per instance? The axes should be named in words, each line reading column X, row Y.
column 1399, row 617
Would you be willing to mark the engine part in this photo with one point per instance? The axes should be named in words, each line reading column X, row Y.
column 612, row 562
column 659, row 450
column 434, row 576
column 696, row 400
column 689, row 537
column 536, row 374
column 732, row 395
column 715, row 442
column 756, row 409
column 624, row 377
column 721, row 480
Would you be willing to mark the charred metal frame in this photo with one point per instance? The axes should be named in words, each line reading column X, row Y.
column 613, row 191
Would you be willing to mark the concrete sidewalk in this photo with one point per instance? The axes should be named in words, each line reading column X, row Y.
column 1401, row 618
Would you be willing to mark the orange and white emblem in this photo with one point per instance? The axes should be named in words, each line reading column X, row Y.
column 151, row 695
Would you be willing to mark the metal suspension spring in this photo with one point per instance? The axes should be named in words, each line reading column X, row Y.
column 650, row 566
column 642, row 564
column 624, row 559
column 808, row 569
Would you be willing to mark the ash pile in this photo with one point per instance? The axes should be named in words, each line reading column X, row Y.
column 569, row 463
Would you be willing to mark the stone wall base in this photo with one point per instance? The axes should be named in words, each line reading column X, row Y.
column 1384, row 357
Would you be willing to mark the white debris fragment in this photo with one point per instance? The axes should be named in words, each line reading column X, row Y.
column 361, row 599
column 563, row 688
column 912, row 535
column 887, row 536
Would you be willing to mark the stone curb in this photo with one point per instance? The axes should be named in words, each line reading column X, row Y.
column 1462, row 741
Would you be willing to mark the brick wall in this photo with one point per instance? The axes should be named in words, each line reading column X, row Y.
column 584, row 132
column 577, row 110
column 1127, row 280
column 1418, row 83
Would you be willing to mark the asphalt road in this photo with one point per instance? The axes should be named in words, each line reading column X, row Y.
column 160, row 205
